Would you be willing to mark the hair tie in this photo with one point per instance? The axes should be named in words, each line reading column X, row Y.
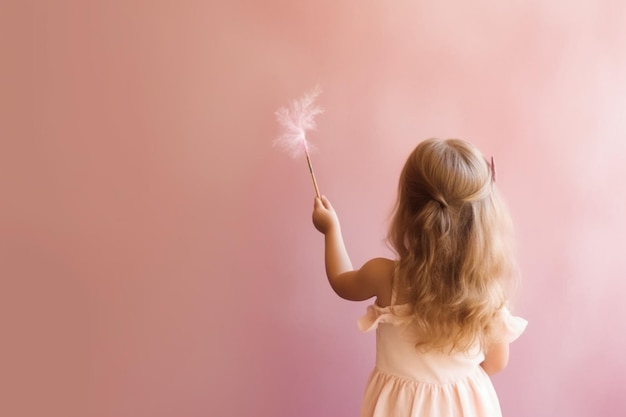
column 442, row 202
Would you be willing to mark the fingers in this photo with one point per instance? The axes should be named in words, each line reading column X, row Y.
column 324, row 216
column 327, row 204
column 323, row 201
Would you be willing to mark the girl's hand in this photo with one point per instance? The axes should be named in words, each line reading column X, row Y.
column 324, row 216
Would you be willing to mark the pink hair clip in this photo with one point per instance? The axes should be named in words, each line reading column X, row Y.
column 493, row 170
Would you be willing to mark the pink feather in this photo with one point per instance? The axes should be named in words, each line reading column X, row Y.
column 295, row 121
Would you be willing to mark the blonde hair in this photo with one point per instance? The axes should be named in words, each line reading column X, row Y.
column 451, row 232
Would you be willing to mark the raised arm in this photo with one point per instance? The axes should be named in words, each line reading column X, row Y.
column 348, row 283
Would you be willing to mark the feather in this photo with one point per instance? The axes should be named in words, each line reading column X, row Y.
column 295, row 121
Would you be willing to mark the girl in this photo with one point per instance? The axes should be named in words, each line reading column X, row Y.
column 442, row 325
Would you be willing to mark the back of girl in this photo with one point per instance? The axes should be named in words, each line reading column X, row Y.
column 440, row 315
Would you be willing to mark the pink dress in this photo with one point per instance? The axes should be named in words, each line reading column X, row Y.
column 408, row 383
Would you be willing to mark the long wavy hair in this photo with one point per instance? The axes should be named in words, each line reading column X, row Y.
column 452, row 234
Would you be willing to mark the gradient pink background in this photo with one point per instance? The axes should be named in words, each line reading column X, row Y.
column 157, row 255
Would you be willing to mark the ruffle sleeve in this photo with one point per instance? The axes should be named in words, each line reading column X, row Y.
column 375, row 315
column 508, row 327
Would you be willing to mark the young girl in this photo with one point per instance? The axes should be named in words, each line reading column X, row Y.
column 442, row 325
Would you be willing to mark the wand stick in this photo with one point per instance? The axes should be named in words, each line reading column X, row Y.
column 308, row 160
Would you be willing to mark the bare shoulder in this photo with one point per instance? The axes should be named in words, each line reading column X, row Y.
column 380, row 267
column 379, row 273
column 373, row 279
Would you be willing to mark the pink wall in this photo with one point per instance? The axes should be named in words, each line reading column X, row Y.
column 157, row 255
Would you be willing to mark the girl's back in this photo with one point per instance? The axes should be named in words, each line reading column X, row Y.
column 410, row 382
